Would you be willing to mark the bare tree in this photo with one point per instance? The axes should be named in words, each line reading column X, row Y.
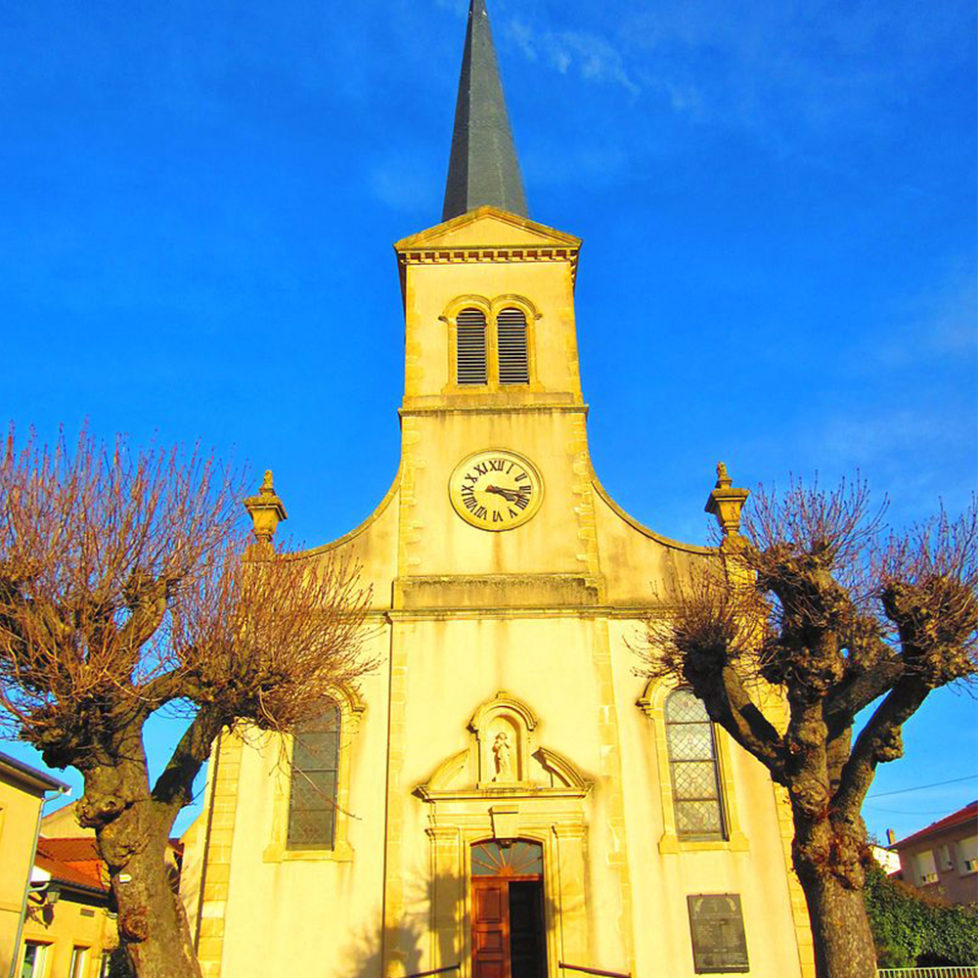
column 816, row 601
column 126, row 588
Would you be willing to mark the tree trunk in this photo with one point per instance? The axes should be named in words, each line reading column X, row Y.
column 152, row 924
column 132, row 832
column 844, row 946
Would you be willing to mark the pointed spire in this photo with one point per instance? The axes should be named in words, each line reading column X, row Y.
column 483, row 168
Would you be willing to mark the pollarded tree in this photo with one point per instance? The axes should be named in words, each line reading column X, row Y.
column 126, row 588
column 816, row 601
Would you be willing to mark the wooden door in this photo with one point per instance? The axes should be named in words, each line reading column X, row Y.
column 490, row 928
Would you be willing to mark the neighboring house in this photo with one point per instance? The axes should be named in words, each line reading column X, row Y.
column 886, row 859
column 54, row 897
column 23, row 790
column 70, row 930
column 943, row 858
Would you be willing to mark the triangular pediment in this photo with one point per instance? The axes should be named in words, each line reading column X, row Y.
column 488, row 227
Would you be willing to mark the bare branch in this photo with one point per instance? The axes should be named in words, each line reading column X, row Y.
column 707, row 644
column 174, row 786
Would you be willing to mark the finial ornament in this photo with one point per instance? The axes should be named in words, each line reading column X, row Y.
column 725, row 504
column 266, row 510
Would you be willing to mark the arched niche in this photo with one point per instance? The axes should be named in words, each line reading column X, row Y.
column 503, row 729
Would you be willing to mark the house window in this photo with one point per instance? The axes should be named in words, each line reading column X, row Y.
column 514, row 367
column 716, row 926
column 693, row 766
column 470, row 359
column 968, row 855
column 35, row 959
column 79, row 959
column 313, row 790
column 926, row 867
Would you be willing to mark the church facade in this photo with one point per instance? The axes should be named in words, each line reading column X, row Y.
column 504, row 797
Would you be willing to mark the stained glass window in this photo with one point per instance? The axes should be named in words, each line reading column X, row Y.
column 519, row 858
column 312, row 798
column 693, row 763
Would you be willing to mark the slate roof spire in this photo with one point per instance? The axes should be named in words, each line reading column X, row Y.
column 483, row 168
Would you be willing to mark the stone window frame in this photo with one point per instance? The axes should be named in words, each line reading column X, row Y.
column 652, row 703
column 490, row 308
column 351, row 708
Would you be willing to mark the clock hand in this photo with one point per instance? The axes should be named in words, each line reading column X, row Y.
column 510, row 495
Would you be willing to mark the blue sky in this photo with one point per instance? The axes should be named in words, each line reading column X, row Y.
column 777, row 202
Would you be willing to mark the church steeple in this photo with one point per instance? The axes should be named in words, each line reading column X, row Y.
column 483, row 168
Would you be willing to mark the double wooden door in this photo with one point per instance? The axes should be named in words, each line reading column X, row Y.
column 508, row 930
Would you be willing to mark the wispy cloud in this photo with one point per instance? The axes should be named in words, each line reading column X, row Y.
column 401, row 183
column 935, row 324
column 594, row 57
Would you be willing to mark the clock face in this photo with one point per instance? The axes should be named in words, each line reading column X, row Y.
column 495, row 490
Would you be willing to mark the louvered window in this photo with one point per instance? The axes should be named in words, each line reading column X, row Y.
column 312, row 798
column 470, row 328
column 693, row 763
column 514, row 367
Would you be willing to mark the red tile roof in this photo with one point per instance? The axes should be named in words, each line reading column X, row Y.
column 73, row 861
column 961, row 817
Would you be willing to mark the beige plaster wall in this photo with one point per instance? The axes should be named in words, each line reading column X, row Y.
column 311, row 916
column 752, row 864
column 18, row 823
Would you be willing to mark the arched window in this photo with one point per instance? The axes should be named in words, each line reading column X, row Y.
column 312, row 795
column 693, row 763
column 514, row 367
column 470, row 353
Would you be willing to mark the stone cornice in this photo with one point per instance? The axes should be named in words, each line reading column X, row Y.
column 446, row 255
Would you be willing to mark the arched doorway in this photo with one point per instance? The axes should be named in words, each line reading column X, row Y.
column 508, row 923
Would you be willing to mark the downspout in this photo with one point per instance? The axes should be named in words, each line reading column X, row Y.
column 15, row 957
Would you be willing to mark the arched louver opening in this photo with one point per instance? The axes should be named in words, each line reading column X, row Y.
column 514, row 366
column 470, row 328
column 315, row 760
column 695, row 773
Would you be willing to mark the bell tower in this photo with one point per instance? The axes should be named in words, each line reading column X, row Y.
column 494, row 472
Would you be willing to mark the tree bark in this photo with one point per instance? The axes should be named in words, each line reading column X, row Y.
column 152, row 924
column 844, row 945
column 132, row 830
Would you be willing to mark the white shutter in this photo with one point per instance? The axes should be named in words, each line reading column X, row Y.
column 968, row 854
column 926, row 867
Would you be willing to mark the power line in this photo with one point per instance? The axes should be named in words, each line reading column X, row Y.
column 919, row 811
column 921, row 787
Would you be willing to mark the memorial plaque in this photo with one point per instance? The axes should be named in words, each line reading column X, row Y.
column 716, row 925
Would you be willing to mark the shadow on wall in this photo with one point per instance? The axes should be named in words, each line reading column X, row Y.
column 410, row 938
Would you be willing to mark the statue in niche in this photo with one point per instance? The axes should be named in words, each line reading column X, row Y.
column 502, row 753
